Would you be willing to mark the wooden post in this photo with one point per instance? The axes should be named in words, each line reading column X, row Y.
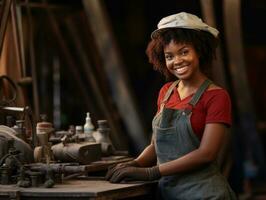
column 100, row 96
column 68, row 56
column 100, row 26
column 218, row 72
column 5, row 12
column 34, row 74
column 246, row 114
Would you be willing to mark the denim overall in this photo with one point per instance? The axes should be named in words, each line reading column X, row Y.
column 175, row 138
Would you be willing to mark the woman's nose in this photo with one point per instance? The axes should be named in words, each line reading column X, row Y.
column 177, row 60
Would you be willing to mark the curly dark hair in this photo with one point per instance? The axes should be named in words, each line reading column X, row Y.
column 204, row 43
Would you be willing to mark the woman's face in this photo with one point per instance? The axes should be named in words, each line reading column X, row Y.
column 181, row 60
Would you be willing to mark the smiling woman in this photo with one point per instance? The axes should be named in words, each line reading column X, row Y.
column 181, row 60
column 204, row 44
column 192, row 118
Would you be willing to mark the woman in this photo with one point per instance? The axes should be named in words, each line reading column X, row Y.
column 193, row 115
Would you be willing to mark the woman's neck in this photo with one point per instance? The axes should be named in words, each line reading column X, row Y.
column 187, row 87
column 195, row 82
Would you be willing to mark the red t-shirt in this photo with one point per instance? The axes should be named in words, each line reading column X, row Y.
column 214, row 106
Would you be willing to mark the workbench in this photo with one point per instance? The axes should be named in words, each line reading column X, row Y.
column 84, row 187
column 81, row 190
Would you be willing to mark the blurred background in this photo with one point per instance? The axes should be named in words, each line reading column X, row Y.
column 72, row 57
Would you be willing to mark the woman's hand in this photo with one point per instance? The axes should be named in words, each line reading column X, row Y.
column 114, row 168
column 130, row 173
column 135, row 169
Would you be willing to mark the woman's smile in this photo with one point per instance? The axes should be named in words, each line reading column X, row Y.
column 182, row 70
column 181, row 60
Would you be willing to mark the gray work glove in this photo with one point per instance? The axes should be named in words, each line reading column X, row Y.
column 133, row 174
column 131, row 163
column 113, row 168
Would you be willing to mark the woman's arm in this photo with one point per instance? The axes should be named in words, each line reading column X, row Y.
column 148, row 156
column 210, row 145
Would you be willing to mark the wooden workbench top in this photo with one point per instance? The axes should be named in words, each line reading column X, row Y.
column 89, row 189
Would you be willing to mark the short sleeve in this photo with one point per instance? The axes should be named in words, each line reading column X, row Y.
column 219, row 108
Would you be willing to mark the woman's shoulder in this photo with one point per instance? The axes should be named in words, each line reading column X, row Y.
column 216, row 90
column 163, row 90
column 217, row 103
column 165, row 87
column 216, row 94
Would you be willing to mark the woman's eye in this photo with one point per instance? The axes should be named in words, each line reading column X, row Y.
column 185, row 52
column 168, row 57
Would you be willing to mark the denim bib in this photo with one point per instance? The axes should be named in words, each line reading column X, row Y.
column 174, row 138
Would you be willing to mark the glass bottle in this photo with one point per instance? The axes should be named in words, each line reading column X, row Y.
column 88, row 129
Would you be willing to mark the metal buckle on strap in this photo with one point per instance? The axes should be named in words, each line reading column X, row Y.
column 186, row 111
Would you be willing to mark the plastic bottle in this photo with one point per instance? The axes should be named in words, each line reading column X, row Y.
column 88, row 129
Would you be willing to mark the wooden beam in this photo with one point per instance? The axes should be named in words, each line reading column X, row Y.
column 235, row 48
column 34, row 74
column 41, row 5
column 16, row 36
column 246, row 115
column 68, row 57
column 5, row 12
column 114, row 69
column 101, row 97
column 218, row 71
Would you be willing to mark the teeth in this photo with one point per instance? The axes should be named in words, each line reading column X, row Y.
column 181, row 70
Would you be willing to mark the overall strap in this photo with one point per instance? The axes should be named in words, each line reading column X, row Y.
column 167, row 94
column 199, row 92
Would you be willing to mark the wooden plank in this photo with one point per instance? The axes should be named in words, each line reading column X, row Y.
column 9, row 63
column 218, row 71
column 81, row 189
column 17, row 38
column 68, row 57
column 5, row 12
column 101, row 29
column 234, row 43
column 102, row 98
column 42, row 5
column 245, row 108
column 33, row 66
